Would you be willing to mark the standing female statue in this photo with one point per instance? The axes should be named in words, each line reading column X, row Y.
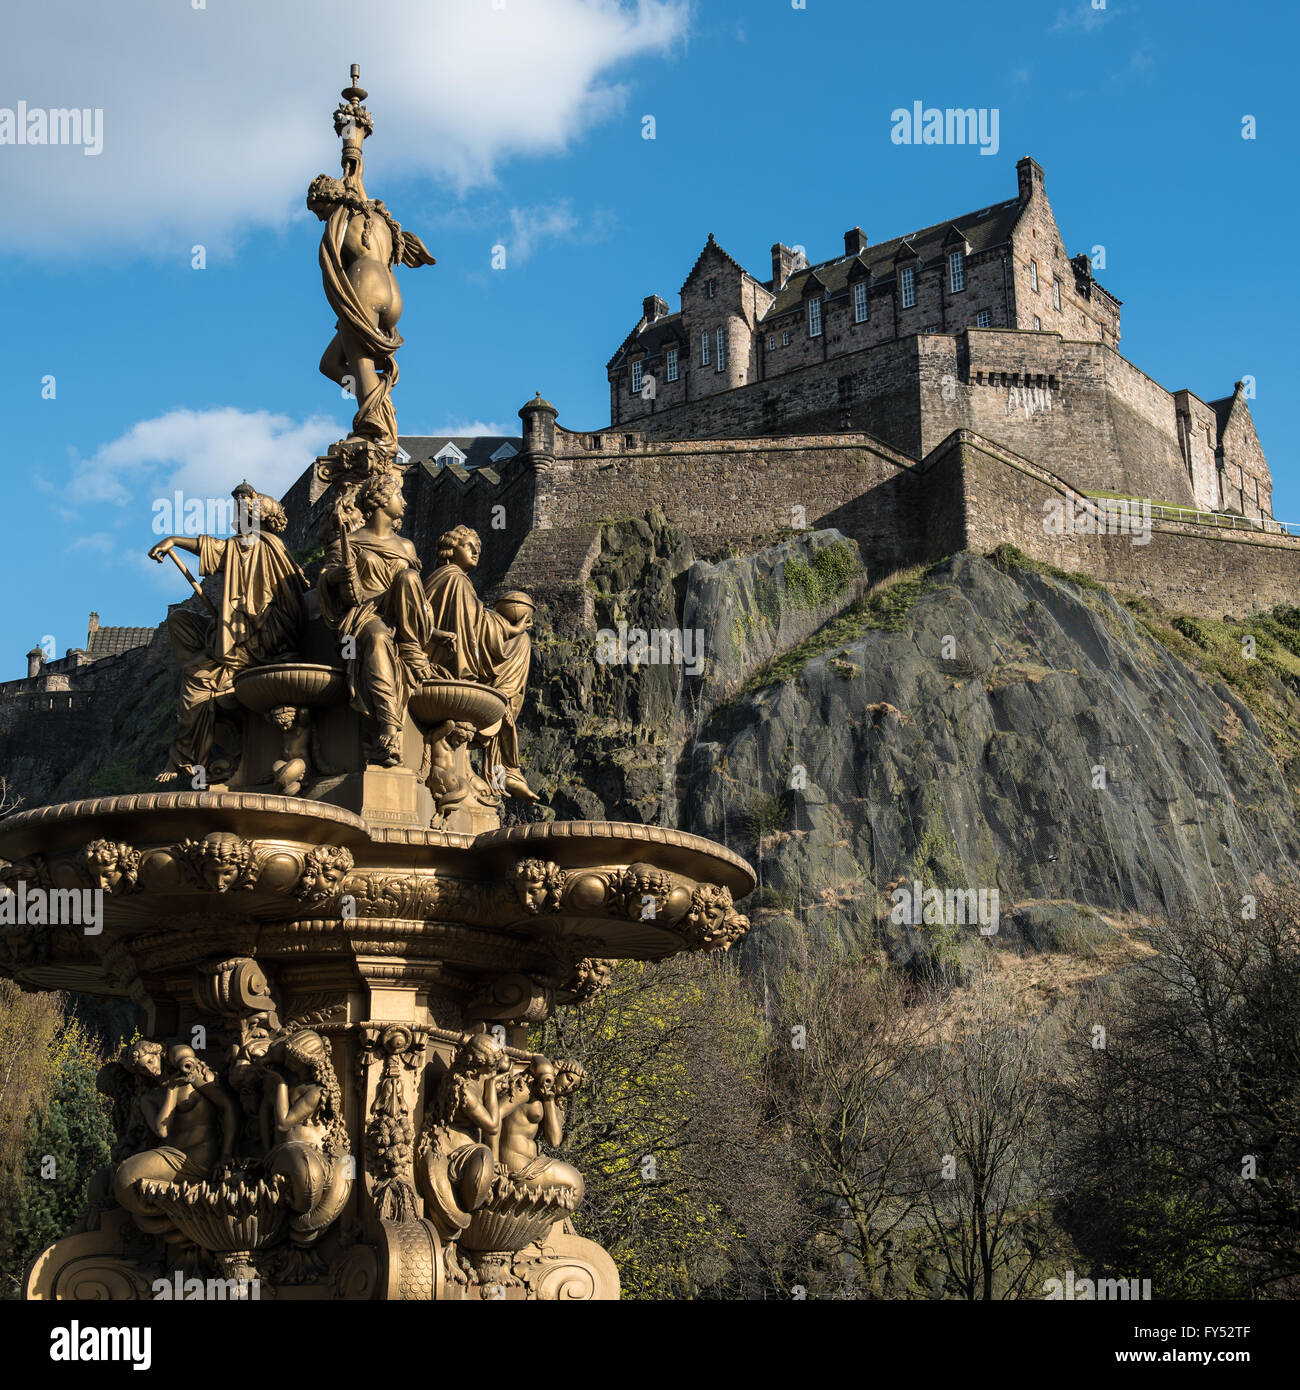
column 359, row 247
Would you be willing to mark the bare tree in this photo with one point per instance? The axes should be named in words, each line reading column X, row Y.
column 984, row 1194
column 845, row 1045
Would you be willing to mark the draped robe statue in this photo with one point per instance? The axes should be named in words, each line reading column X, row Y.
column 370, row 594
column 492, row 646
column 359, row 247
column 258, row 619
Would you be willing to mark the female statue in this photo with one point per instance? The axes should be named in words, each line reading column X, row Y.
column 370, row 593
column 257, row 620
column 492, row 646
column 359, row 246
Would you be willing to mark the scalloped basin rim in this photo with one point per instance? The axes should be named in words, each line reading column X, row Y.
column 261, row 688
column 444, row 698
column 175, row 814
column 582, row 843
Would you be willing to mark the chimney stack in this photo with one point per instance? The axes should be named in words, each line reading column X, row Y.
column 855, row 242
column 93, row 626
column 652, row 307
column 1029, row 178
column 785, row 261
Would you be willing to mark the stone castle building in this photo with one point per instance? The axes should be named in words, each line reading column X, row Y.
column 984, row 322
column 940, row 391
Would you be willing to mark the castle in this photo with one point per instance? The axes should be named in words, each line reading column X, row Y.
column 928, row 333
column 942, row 391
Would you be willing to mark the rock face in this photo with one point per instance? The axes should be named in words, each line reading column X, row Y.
column 1019, row 734
column 976, row 727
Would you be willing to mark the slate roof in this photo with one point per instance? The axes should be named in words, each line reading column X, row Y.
column 987, row 228
column 477, row 448
column 113, row 641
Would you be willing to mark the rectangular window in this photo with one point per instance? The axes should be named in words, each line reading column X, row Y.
column 957, row 271
column 710, row 289
column 908, row 282
column 984, row 319
column 771, row 341
column 704, row 348
column 722, row 351
column 814, row 318
column 1056, row 292
column 860, row 302
column 638, row 378
column 670, row 364
column 1033, row 276
column 1038, row 324
column 785, row 340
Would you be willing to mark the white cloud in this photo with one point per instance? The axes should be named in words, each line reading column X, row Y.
column 215, row 120
column 464, row 429
column 1084, row 16
column 529, row 226
column 201, row 453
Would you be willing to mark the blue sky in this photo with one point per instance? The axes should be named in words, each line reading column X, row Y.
column 519, row 123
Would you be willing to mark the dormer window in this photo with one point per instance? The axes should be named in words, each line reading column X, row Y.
column 956, row 271
column 449, row 453
column 860, row 308
column 1033, row 276
column 722, row 351
column 704, row 348
column 638, row 377
column 907, row 287
column 670, row 364
column 814, row 318
column 505, row 451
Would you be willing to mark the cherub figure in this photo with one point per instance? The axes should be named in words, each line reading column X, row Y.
column 191, row 1111
column 532, row 1109
column 292, row 768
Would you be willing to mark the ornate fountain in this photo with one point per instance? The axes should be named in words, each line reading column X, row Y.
column 337, row 948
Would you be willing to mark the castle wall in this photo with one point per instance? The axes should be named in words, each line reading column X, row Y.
column 1202, row 570
column 737, row 491
column 1078, row 408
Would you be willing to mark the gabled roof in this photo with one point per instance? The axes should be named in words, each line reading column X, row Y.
column 649, row 337
column 113, row 641
column 478, row 449
column 1224, row 407
column 712, row 245
column 987, row 228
